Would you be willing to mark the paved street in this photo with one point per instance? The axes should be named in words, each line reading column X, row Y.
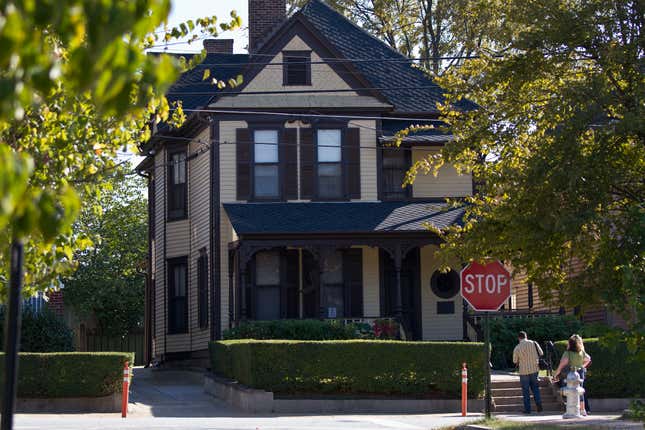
column 176, row 400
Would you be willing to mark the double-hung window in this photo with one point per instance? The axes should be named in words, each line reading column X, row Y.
column 177, row 302
column 267, row 284
column 266, row 171
column 333, row 287
column 395, row 166
column 330, row 172
column 177, row 195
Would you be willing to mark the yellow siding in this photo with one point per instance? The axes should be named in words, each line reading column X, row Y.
column 369, row 181
column 371, row 287
column 437, row 327
column 177, row 235
column 323, row 77
column 199, row 210
column 159, row 264
column 447, row 183
column 227, row 130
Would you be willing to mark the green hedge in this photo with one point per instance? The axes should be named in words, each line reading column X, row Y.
column 614, row 372
column 41, row 332
column 504, row 333
column 292, row 330
column 350, row 366
column 69, row 374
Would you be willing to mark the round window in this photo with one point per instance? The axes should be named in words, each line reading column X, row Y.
column 445, row 284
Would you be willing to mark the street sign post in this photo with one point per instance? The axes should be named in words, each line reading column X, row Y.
column 486, row 287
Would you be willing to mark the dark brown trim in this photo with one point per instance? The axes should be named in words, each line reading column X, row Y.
column 177, row 261
column 214, row 239
column 173, row 149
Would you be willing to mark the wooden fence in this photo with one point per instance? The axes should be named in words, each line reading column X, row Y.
column 133, row 342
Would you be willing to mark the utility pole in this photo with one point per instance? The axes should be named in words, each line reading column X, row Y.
column 12, row 335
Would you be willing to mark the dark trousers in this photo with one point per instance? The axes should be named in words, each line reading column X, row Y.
column 530, row 382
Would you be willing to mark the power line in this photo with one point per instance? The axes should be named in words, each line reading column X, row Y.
column 281, row 92
column 311, row 115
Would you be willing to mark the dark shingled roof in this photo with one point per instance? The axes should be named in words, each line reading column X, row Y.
column 192, row 81
column 355, row 43
column 340, row 217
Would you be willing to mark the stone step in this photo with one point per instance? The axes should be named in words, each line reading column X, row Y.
column 509, row 392
column 519, row 407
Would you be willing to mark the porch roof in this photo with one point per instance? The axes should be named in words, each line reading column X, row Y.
column 340, row 217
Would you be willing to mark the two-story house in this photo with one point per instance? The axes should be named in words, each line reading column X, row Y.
column 281, row 198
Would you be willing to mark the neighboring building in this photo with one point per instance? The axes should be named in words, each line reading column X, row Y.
column 282, row 199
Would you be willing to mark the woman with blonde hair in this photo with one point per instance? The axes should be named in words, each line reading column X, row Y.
column 576, row 359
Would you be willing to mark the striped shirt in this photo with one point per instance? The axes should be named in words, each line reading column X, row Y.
column 526, row 356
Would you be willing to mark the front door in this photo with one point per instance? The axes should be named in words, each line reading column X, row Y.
column 410, row 291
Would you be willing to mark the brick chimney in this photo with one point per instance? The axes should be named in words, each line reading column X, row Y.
column 264, row 16
column 218, row 46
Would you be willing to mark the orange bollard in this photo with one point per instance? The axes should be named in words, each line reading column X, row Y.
column 126, row 388
column 464, row 389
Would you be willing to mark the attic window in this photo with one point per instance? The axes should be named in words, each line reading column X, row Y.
column 296, row 67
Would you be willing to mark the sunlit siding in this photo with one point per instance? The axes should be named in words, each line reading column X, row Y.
column 447, row 183
column 435, row 326
column 159, row 263
column 199, row 210
column 369, row 180
column 371, row 288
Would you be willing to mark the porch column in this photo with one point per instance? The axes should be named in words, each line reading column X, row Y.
column 398, row 304
column 243, row 313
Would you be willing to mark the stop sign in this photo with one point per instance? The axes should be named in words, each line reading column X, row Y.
column 485, row 287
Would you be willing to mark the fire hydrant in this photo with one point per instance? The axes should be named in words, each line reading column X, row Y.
column 572, row 392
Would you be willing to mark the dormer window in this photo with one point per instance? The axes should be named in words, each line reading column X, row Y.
column 296, row 67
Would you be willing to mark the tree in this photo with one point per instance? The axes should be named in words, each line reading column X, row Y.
column 76, row 87
column 429, row 29
column 557, row 150
column 109, row 281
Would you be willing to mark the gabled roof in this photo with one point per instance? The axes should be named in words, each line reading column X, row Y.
column 340, row 217
column 355, row 43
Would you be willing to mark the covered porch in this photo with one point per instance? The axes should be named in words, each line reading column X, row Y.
column 351, row 261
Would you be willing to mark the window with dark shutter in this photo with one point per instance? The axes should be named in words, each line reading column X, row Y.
column 177, row 187
column 202, row 288
column 352, row 162
column 307, row 153
column 267, row 285
column 243, row 163
column 266, row 167
column 296, row 68
column 329, row 164
column 395, row 165
column 177, row 295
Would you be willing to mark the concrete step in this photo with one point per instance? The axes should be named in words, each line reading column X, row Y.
column 509, row 392
column 519, row 407
column 513, row 400
column 516, row 384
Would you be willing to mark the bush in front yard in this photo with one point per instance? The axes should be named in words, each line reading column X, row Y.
column 292, row 330
column 614, row 371
column 69, row 374
column 351, row 366
column 41, row 332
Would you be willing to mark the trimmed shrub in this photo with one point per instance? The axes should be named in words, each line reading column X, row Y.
column 69, row 374
column 614, row 371
column 41, row 332
column 292, row 330
column 504, row 331
column 351, row 366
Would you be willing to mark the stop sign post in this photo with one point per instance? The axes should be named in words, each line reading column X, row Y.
column 486, row 287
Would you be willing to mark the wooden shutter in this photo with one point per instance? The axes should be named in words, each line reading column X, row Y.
column 243, row 144
column 353, row 280
column 352, row 162
column 307, row 149
column 289, row 162
column 290, row 299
